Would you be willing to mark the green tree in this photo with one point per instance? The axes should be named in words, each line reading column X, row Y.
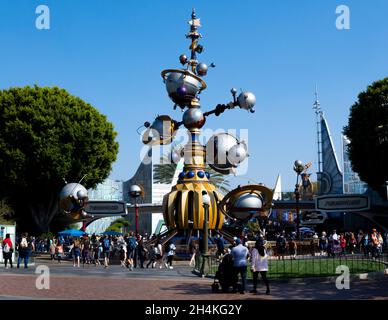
column 6, row 212
column 164, row 173
column 118, row 225
column 48, row 136
column 367, row 131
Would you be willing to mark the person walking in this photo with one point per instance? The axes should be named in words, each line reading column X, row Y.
column 52, row 250
column 7, row 250
column 323, row 243
column 59, row 251
column 170, row 255
column 240, row 254
column 259, row 265
column 152, row 256
column 281, row 245
column 76, row 253
column 131, row 249
column 85, row 251
column 106, row 245
column 123, row 254
column 25, row 247
column 158, row 254
column 140, row 252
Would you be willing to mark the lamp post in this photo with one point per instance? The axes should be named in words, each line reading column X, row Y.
column 298, row 168
column 135, row 192
column 205, row 254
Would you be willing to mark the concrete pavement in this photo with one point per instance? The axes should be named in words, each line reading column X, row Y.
column 115, row 282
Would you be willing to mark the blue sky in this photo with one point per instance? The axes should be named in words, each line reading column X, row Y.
column 111, row 53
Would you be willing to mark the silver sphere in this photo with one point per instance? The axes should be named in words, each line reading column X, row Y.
column 183, row 59
column 81, row 194
column 193, row 118
column 298, row 163
column 237, row 154
column 233, row 91
column 246, row 206
column 134, row 191
column 69, row 195
column 182, row 88
column 202, row 69
column 246, row 100
column 175, row 157
column 217, row 150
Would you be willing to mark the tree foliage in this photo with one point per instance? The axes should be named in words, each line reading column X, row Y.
column 367, row 131
column 118, row 225
column 48, row 136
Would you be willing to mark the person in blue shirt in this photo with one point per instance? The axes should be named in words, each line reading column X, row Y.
column 240, row 254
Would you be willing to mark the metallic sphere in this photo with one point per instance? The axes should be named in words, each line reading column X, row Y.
column 183, row 59
column 246, row 100
column 202, row 69
column 68, row 197
column 193, row 118
column 81, row 194
column 134, row 191
column 298, row 166
column 237, row 153
column 182, row 88
column 219, row 147
column 175, row 157
column 246, row 206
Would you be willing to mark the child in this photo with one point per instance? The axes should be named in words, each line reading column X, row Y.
column 52, row 250
column 59, row 251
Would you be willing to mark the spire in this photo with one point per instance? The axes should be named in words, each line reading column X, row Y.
column 318, row 112
column 194, row 35
column 317, row 104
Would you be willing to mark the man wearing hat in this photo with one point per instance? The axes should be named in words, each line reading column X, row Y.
column 240, row 254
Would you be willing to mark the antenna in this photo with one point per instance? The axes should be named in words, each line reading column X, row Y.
column 318, row 113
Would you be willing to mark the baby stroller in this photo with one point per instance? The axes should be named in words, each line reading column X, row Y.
column 224, row 276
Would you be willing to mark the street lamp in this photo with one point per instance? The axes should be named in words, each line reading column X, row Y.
column 298, row 168
column 205, row 254
column 135, row 192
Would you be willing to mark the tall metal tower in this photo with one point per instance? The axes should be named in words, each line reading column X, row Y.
column 318, row 113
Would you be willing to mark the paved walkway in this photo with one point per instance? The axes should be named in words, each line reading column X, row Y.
column 67, row 282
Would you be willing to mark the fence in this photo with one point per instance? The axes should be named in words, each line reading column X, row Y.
column 287, row 266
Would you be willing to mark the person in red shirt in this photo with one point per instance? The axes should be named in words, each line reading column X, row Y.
column 7, row 250
column 343, row 243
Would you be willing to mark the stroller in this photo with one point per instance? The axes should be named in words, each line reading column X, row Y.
column 224, row 276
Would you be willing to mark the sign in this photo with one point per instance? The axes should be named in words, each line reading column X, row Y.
column 343, row 203
column 313, row 218
column 106, row 208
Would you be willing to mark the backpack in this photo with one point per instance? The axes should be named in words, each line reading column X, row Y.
column 132, row 244
column 6, row 248
column 106, row 244
column 24, row 243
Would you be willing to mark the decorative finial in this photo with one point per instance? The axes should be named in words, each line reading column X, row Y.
column 194, row 35
column 317, row 104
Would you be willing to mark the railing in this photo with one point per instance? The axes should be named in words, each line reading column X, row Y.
column 317, row 265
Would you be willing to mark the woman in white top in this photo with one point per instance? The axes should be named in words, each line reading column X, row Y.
column 259, row 264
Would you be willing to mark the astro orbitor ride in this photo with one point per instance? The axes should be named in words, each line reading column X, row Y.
column 183, row 207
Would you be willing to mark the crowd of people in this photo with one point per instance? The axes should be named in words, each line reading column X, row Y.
column 131, row 250
column 371, row 243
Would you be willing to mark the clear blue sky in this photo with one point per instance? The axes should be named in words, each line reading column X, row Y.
column 110, row 53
